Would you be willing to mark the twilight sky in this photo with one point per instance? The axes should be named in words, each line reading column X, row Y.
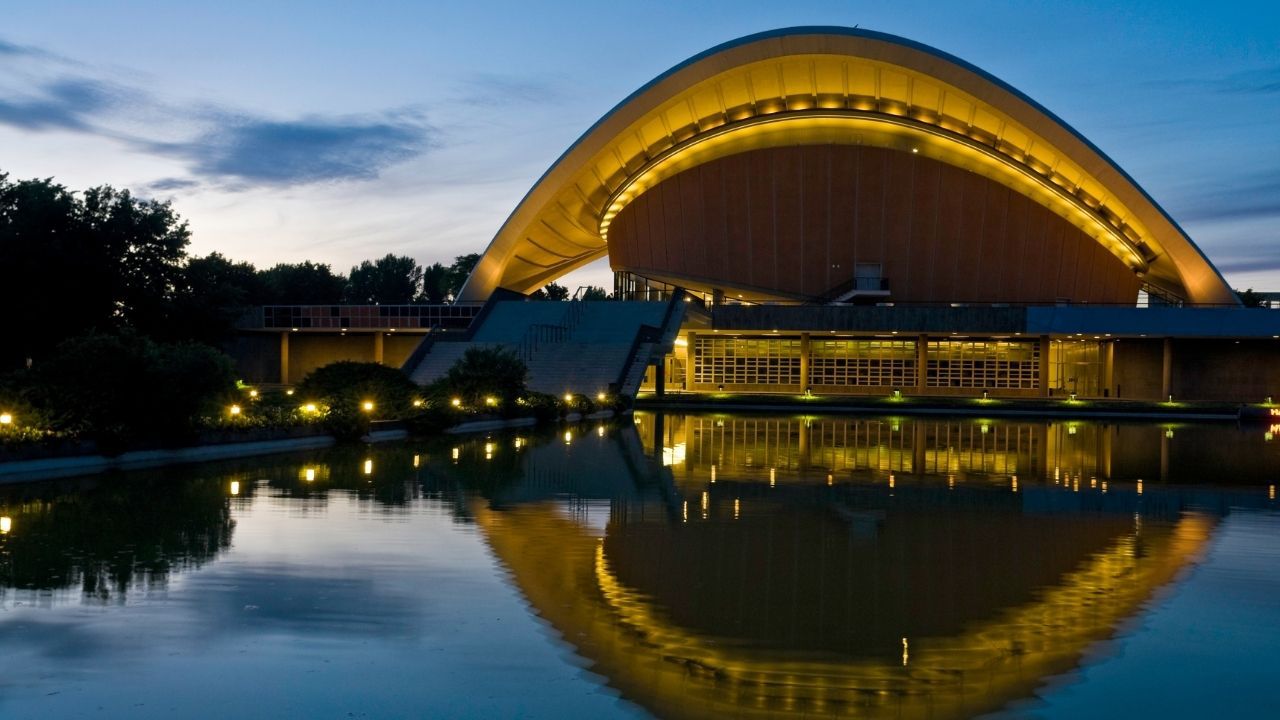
column 335, row 132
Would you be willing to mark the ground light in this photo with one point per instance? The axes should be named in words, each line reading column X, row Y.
column 6, row 524
column 600, row 397
column 491, row 401
column 568, row 397
column 417, row 402
column 234, row 410
column 367, row 406
column 6, row 419
column 309, row 407
column 456, row 402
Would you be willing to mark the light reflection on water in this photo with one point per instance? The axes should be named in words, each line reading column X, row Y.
column 681, row 566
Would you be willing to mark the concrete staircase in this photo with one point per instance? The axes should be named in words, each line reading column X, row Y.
column 583, row 347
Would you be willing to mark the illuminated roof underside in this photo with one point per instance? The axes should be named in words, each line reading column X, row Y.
column 807, row 86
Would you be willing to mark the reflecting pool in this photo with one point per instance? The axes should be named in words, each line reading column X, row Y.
column 670, row 566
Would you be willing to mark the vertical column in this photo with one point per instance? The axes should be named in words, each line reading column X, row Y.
column 692, row 339
column 284, row 358
column 918, row 437
column 1109, row 369
column 1045, row 347
column 922, row 364
column 377, row 347
column 660, row 377
column 804, row 361
column 1166, row 370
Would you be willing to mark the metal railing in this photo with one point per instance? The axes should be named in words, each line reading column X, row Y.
column 457, row 316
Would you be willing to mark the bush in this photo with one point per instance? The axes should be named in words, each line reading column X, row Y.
column 346, row 385
column 123, row 388
column 480, row 374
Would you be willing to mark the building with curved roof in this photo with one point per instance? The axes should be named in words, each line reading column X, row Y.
column 822, row 163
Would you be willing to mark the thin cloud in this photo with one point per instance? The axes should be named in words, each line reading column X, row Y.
column 1256, row 196
column 66, row 104
column 167, row 184
column 249, row 151
column 235, row 149
column 492, row 90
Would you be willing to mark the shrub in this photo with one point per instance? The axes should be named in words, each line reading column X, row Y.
column 123, row 388
column 483, row 373
column 346, row 385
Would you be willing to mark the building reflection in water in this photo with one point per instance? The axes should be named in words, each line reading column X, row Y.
column 812, row 566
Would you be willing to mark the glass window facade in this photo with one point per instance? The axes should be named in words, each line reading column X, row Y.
column 979, row 364
column 862, row 363
column 746, row 361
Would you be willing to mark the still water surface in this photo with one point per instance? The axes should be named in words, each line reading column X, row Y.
column 674, row 566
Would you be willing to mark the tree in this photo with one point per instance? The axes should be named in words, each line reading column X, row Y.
column 594, row 293
column 1249, row 298
column 460, row 270
column 120, row 388
column 211, row 294
column 304, row 283
column 435, row 284
column 391, row 280
column 552, row 291
column 69, row 264
column 482, row 373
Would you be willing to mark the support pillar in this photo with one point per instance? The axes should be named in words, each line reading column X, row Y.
column 660, row 377
column 922, row 364
column 284, row 358
column 1045, row 348
column 692, row 339
column 804, row 361
column 377, row 347
column 1109, row 369
column 1166, row 370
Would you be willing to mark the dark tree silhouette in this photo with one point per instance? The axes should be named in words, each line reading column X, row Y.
column 391, row 280
column 304, row 283
column 69, row 264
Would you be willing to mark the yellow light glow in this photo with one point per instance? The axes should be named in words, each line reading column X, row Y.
column 367, row 406
column 682, row 342
column 417, row 460
column 600, row 397
column 568, row 436
column 417, row 402
column 456, row 402
column 1271, row 492
column 488, row 448
column 600, row 431
column 891, row 482
column 253, row 393
column 235, row 487
column 737, row 508
column 6, row 524
column 831, row 480
column 773, row 477
column 234, row 409
column 519, row 443
column 456, row 452
column 713, row 474
column 1014, row 483
column 1139, row 487
column 491, row 401
column 289, row 392
column 368, row 467
column 310, row 474
column 6, row 419
column 568, row 397
column 310, row 407
column 905, row 654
